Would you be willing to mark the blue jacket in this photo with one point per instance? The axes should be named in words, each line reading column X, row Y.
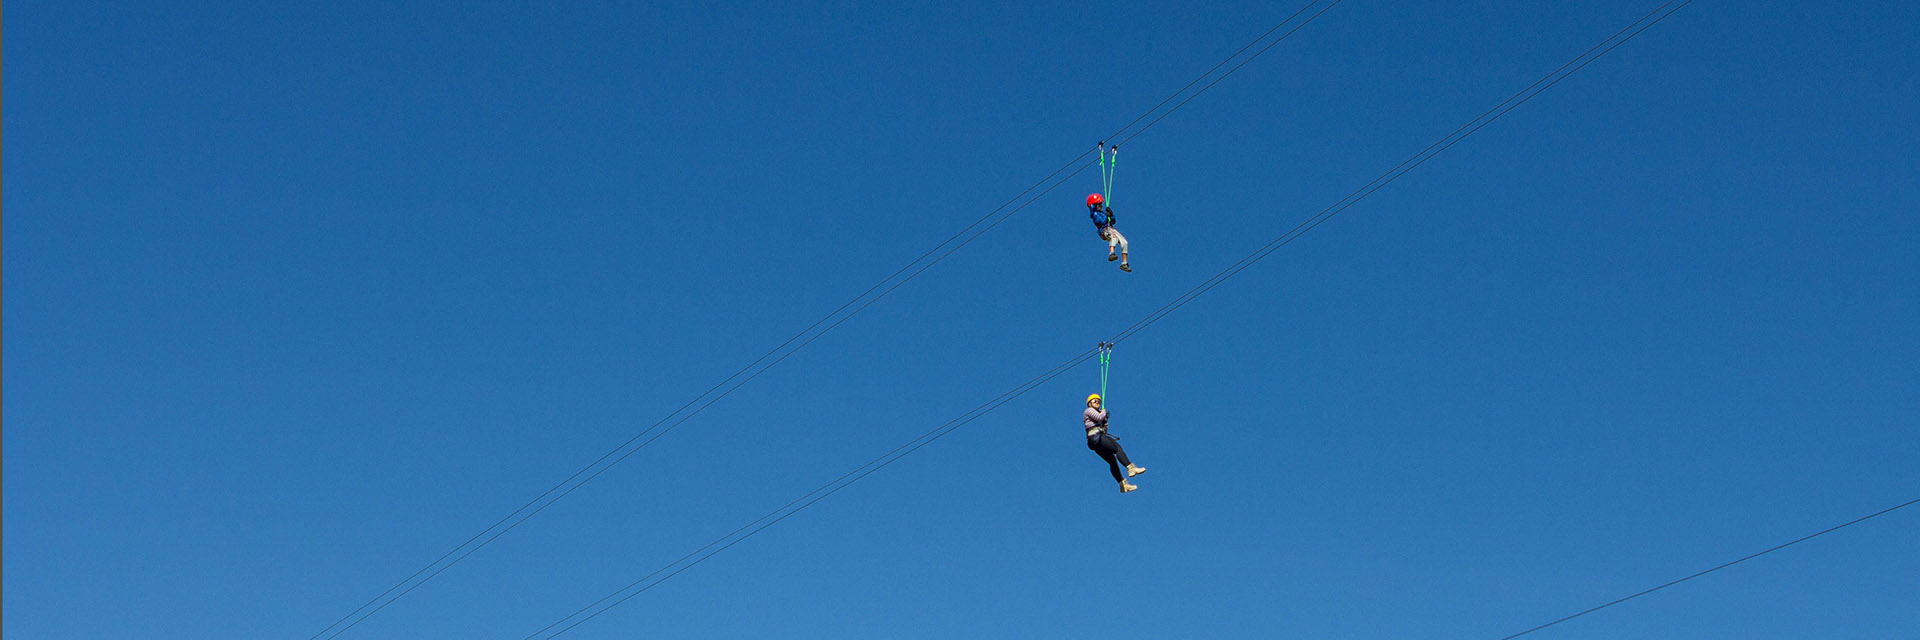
column 1102, row 216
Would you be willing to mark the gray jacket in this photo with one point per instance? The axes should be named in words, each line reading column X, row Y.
column 1095, row 418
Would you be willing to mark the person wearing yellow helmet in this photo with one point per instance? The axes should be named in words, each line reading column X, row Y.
column 1103, row 443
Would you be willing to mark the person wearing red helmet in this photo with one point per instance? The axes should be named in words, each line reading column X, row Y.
column 1103, row 221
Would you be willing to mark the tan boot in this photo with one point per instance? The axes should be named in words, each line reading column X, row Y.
column 1127, row 486
column 1134, row 470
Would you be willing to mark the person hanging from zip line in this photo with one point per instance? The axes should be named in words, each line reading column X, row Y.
column 1103, row 443
column 1095, row 421
column 1102, row 212
column 1102, row 216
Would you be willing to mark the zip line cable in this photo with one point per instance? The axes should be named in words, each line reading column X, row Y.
column 676, row 423
column 816, row 495
column 1223, row 62
column 1223, row 76
column 548, row 497
column 524, row 515
column 1472, row 126
column 1766, row 551
column 1579, row 62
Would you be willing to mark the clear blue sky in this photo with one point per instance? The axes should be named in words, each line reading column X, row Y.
column 300, row 295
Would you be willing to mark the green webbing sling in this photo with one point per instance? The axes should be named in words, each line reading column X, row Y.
column 1107, row 169
column 1106, row 356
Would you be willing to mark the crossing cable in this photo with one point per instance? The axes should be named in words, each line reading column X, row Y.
column 1222, row 76
column 1472, row 126
column 670, row 427
column 593, row 469
column 1763, row 552
column 820, row 493
column 1545, row 82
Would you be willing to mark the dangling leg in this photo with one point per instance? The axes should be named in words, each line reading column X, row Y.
column 1109, row 450
column 1113, row 467
column 1114, row 239
column 1121, row 454
column 1108, row 236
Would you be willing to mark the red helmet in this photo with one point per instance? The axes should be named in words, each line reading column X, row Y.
column 1094, row 199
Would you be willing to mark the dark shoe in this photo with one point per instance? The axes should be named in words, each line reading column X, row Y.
column 1124, row 267
column 1111, row 257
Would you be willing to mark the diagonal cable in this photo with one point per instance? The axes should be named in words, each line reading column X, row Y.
column 1724, row 565
column 1472, row 126
column 808, row 499
column 627, row 448
column 1552, row 78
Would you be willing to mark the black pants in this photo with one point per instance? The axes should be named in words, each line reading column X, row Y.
column 1109, row 450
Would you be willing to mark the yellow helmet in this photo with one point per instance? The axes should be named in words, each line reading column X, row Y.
column 1092, row 397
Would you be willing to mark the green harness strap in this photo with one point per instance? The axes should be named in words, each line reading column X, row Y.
column 1106, row 356
column 1107, row 169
